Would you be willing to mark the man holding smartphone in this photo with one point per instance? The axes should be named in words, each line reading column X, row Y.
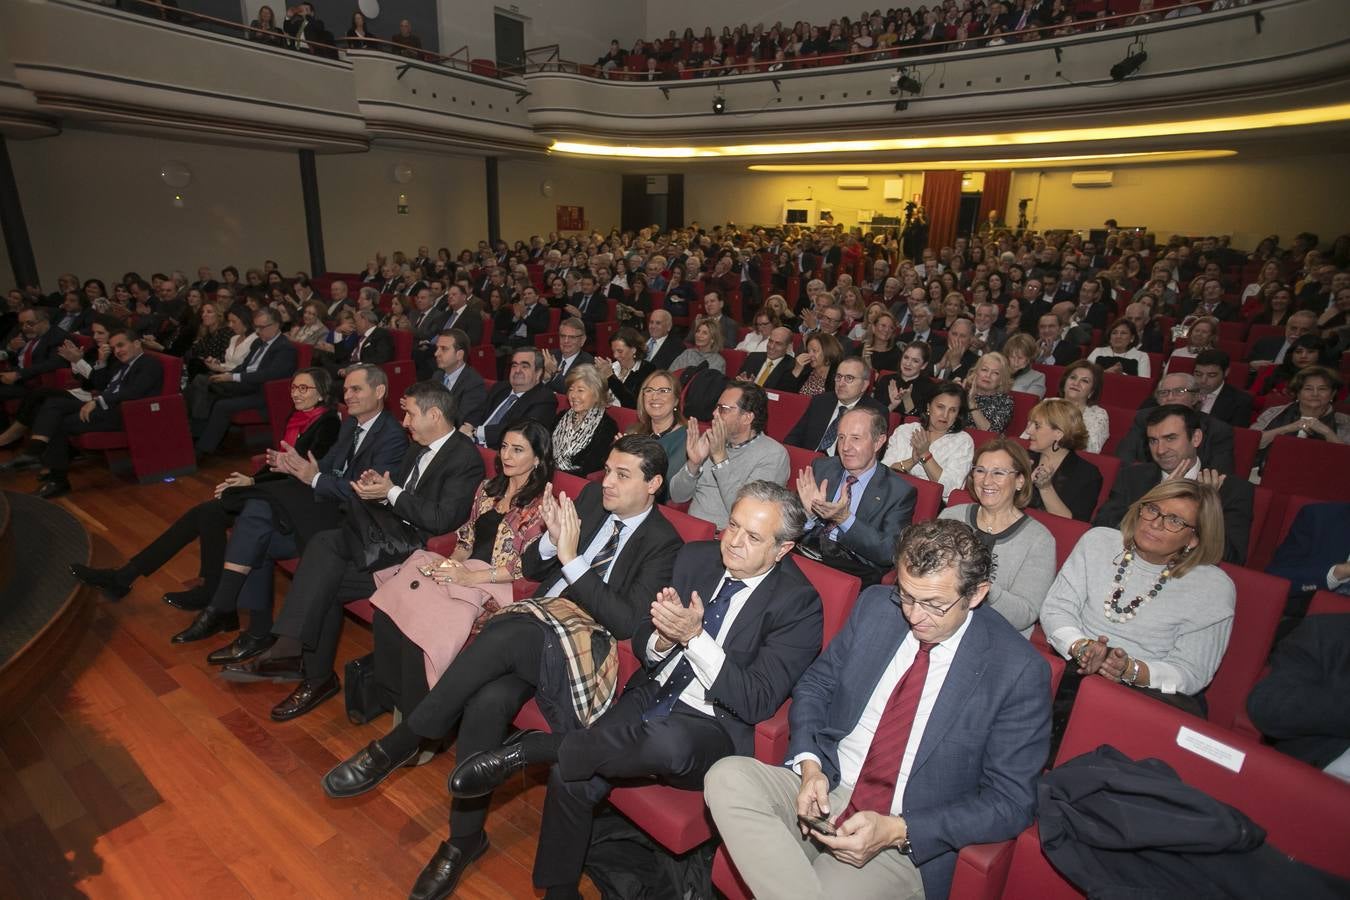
column 920, row 729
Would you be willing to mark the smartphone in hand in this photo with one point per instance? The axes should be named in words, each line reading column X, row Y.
column 818, row 824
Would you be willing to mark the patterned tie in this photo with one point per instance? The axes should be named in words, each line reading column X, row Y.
column 683, row 673
column 416, row 474
column 600, row 564
column 351, row 451
column 875, row 789
column 764, row 372
column 502, row 410
column 832, row 432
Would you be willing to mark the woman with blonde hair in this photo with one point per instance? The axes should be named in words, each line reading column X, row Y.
column 659, row 416
column 988, row 386
column 1064, row 484
column 1147, row 605
column 707, row 348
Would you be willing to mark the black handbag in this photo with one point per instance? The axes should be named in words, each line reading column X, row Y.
column 377, row 538
column 360, row 690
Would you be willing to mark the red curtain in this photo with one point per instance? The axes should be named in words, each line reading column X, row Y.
column 995, row 197
column 941, row 204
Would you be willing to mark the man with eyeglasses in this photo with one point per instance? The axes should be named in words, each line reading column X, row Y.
column 728, row 454
column 757, row 341
column 1181, row 389
column 1175, row 435
column 557, row 363
column 271, row 356
column 819, row 425
column 771, row 368
column 894, row 758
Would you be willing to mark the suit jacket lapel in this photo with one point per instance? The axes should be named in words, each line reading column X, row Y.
column 962, row 679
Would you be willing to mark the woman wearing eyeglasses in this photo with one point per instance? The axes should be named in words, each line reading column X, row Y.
column 1146, row 605
column 1023, row 549
column 659, row 416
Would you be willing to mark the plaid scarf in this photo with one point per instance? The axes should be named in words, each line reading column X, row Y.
column 592, row 683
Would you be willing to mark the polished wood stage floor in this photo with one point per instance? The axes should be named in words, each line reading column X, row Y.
column 137, row 773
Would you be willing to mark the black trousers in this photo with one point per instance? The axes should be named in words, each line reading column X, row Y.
column 399, row 668
column 32, row 402
column 223, row 399
column 255, row 542
column 58, row 418
column 481, row 692
column 206, row 523
column 677, row 750
column 326, row 580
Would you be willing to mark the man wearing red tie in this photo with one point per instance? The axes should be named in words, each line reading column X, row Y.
column 32, row 352
column 921, row 729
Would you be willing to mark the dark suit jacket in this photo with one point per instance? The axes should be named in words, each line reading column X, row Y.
column 771, row 642
column 1237, row 494
column 938, row 345
column 810, row 428
column 536, row 322
column 1318, row 540
column 597, row 310
column 641, row 569
column 445, row 491
column 538, row 403
column 1077, row 482
column 780, row 379
column 1224, row 312
column 426, row 327
column 666, row 353
column 867, row 549
column 279, row 361
column 44, row 357
column 378, row 348
column 1232, row 406
column 1267, row 347
column 990, row 727
column 1301, row 703
column 469, row 320
column 626, row 392
column 318, row 439
column 1216, row 449
column 1064, row 352
column 470, row 393
column 145, row 378
column 558, row 383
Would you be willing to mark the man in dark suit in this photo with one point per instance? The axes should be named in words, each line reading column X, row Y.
column 819, row 425
column 771, row 369
column 987, row 335
column 271, row 356
column 857, row 507
column 461, row 380
column 1272, row 350
column 521, row 396
column 1313, row 556
column 374, row 347
column 1218, row 398
column 1181, row 388
column 921, row 329
column 725, row 643
column 662, row 346
column 588, row 304
column 1051, row 348
column 427, row 320
column 557, row 363
column 431, row 492
column 1174, row 435
column 898, row 731
column 608, row 555
column 1089, row 315
column 279, row 518
column 462, row 315
column 33, row 353
column 1068, row 286
column 134, row 376
column 529, row 317
column 1301, row 703
column 1211, row 303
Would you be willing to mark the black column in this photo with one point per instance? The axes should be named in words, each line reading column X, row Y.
column 494, row 202
column 12, row 222
column 309, row 188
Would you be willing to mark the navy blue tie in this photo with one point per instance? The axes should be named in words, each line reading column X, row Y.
column 683, row 674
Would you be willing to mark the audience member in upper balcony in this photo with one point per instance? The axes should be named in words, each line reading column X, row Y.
column 987, row 389
column 1063, row 483
column 935, row 448
column 729, row 453
column 271, row 356
column 1216, row 448
column 266, row 31
column 359, row 37
column 411, row 43
column 1218, row 398
column 303, row 27
column 614, row 58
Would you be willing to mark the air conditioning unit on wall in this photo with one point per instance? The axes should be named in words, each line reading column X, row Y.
column 852, row 182
column 1092, row 179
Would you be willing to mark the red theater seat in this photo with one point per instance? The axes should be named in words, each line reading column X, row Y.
column 155, row 441
column 1309, row 468
column 784, row 410
column 1260, row 602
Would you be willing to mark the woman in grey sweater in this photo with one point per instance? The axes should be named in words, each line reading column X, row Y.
column 707, row 348
column 1023, row 549
column 1148, row 605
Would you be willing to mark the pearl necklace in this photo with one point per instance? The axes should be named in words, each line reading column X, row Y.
column 1114, row 611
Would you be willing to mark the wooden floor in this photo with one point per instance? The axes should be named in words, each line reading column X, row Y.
column 138, row 773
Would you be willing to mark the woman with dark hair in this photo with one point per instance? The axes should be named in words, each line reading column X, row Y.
column 908, row 390
column 427, row 607
column 1277, row 302
column 311, row 429
column 633, row 309
column 814, row 367
column 359, row 37
column 1081, row 385
column 659, row 416
column 1121, row 352
column 626, row 370
column 679, row 292
column 1311, row 414
column 1308, row 350
column 935, row 448
column 1063, row 483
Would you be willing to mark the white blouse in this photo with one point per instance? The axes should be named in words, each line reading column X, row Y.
column 754, row 342
column 1134, row 353
column 954, row 452
column 237, row 352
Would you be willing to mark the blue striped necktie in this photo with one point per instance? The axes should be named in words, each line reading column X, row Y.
column 600, row 564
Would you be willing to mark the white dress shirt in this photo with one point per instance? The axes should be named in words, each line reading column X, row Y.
column 362, row 429
column 420, row 468
column 579, row 566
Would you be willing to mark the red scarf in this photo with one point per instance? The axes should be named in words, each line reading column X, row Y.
column 300, row 421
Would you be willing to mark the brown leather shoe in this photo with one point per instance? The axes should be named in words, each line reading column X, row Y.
column 265, row 668
column 308, row 694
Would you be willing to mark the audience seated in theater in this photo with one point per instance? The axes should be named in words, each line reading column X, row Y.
column 1174, row 436
column 521, row 396
column 662, row 346
column 463, row 382
column 1020, row 351
column 83, row 364
column 706, row 349
column 818, row 426
column 836, row 488
column 679, row 293
column 368, row 297
column 1081, row 384
column 959, row 357
column 921, row 329
column 1313, row 557
column 76, row 313
column 1063, row 483
column 1201, row 336
column 374, row 344
column 267, row 32
column 1216, row 448
column 1273, row 382
column 1001, row 483
column 588, row 305
column 907, row 391
column 34, row 351
column 935, row 448
column 1090, row 314
column 429, row 493
column 987, row 386
column 1051, row 347
column 1168, row 609
column 516, row 323
column 626, row 371
column 600, row 563
column 418, row 628
column 1210, row 303
column 584, row 433
column 312, row 428
column 714, row 313
column 225, row 393
column 1311, row 414
column 1218, row 398
column 897, row 828
column 761, row 623
column 757, row 339
column 1121, row 354
column 773, row 367
column 310, row 329
column 732, row 451
column 879, row 348
column 1300, row 703
column 1274, row 304
column 464, row 314
column 1273, row 350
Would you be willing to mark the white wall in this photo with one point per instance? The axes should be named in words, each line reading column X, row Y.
column 757, row 198
column 526, row 211
column 582, row 28
column 696, row 14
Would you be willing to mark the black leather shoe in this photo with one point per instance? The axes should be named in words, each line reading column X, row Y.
column 440, row 876
column 361, row 772
column 20, row 463
column 56, row 487
column 265, row 668
column 103, row 579
column 192, row 600
column 486, row 770
column 246, row 646
column 308, row 694
column 209, row 622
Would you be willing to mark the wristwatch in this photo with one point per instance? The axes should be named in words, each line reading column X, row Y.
column 905, row 847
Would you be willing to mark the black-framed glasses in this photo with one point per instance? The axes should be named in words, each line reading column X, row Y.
column 1151, row 512
column 932, row 609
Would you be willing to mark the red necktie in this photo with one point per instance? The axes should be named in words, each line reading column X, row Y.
column 875, row 789
column 26, row 357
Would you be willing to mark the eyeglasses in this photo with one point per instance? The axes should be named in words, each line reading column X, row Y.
column 658, row 390
column 301, row 389
column 932, row 609
column 1175, row 524
column 570, row 336
column 846, row 379
column 726, row 410
column 1165, row 392
column 981, row 472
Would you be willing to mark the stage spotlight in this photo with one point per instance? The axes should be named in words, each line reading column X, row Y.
column 1128, row 66
column 719, row 104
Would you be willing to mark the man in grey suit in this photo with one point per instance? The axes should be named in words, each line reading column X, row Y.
column 921, row 729
column 857, row 507
column 461, row 380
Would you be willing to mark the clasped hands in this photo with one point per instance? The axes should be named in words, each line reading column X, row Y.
column 674, row 622
column 860, row 837
column 1097, row 657
column 563, row 524
column 815, row 497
